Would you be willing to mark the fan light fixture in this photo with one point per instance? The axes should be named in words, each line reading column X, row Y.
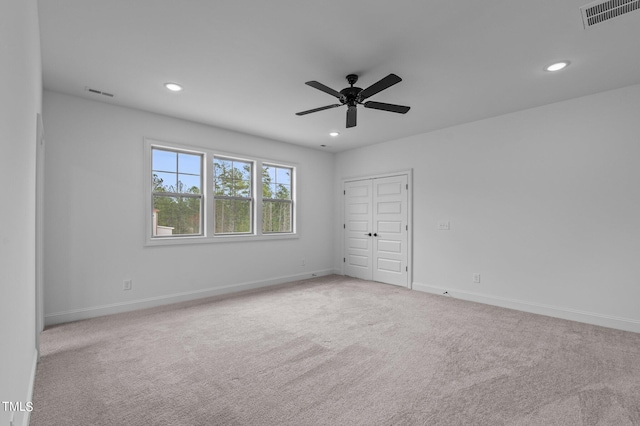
column 174, row 87
column 557, row 66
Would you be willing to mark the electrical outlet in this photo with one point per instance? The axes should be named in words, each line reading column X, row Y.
column 444, row 226
column 12, row 419
column 127, row 284
column 476, row 278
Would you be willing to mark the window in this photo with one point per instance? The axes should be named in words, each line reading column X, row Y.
column 177, row 195
column 277, row 204
column 201, row 195
column 232, row 196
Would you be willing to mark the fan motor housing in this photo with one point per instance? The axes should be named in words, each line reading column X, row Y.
column 351, row 95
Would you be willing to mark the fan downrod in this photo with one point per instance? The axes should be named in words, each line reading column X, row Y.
column 350, row 94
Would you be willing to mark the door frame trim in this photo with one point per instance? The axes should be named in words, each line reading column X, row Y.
column 409, row 174
column 39, row 226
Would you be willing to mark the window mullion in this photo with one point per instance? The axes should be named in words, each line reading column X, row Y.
column 258, row 196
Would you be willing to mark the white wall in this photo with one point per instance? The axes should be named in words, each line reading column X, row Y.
column 95, row 175
column 543, row 203
column 20, row 103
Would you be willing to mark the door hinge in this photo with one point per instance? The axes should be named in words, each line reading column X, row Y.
column 344, row 260
column 344, row 192
column 407, row 186
column 344, row 226
column 406, row 268
column 406, row 227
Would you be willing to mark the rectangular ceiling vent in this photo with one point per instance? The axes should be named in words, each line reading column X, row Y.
column 601, row 11
column 110, row 95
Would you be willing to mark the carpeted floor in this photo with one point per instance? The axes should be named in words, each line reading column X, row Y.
column 336, row 351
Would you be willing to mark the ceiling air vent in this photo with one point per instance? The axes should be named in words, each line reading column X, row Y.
column 110, row 95
column 601, row 11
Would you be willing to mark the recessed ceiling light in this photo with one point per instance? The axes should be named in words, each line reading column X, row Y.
column 334, row 134
column 173, row 87
column 557, row 66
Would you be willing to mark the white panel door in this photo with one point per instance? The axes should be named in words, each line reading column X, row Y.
column 376, row 229
column 390, row 237
column 358, row 233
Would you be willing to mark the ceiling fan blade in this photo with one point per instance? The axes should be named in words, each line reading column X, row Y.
column 387, row 107
column 386, row 82
column 325, row 89
column 318, row 109
column 352, row 113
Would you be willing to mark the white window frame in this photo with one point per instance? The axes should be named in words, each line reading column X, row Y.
column 208, row 219
column 251, row 199
column 199, row 196
column 280, row 200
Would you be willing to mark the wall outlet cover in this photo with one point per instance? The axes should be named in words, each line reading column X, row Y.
column 444, row 226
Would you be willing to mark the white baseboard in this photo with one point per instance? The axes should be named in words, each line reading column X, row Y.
column 610, row 321
column 132, row 305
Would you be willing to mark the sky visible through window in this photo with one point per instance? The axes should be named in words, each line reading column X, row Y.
column 173, row 167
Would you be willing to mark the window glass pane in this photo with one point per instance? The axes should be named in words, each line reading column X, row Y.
column 164, row 182
column 232, row 178
column 282, row 192
column 220, row 171
column 221, row 164
column 241, row 179
column 269, row 172
column 166, row 177
column 223, row 176
column 176, row 216
column 276, row 182
column 283, row 176
column 242, row 188
column 276, row 217
column 189, row 184
column 243, row 170
column 267, row 178
column 163, row 160
column 189, row 163
column 233, row 216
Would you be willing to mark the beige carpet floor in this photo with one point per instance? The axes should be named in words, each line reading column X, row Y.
column 336, row 351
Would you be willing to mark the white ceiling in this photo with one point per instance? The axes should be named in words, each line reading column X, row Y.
column 244, row 63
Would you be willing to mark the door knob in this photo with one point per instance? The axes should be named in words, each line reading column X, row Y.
column 375, row 235
column 369, row 234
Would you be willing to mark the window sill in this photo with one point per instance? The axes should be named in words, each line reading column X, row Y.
column 170, row 241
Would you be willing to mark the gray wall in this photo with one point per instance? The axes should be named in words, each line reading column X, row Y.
column 543, row 203
column 21, row 71
column 95, row 215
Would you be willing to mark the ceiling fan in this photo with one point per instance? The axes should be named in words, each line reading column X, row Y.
column 352, row 96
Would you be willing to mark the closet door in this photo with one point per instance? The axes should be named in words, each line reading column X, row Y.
column 390, row 227
column 358, row 233
column 376, row 229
